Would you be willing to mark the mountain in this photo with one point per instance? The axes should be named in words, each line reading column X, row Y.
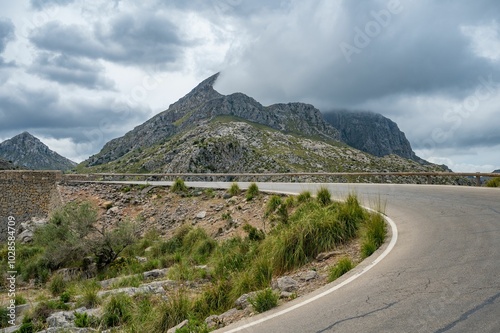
column 206, row 131
column 372, row 133
column 201, row 105
column 26, row 151
column 7, row 165
column 496, row 171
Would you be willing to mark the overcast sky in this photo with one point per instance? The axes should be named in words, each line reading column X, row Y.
column 78, row 73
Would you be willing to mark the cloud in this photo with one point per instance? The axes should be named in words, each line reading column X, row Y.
column 86, row 121
column 71, row 70
column 7, row 35
column 41, row 4
column 127, row 39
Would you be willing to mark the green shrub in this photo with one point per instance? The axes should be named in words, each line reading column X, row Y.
column 304, row 196
column 254, row 234
column 65, row 297
column 273, row 204
column 252, row 191
column 20, row 300
column 84, row 320
column 194, row 326
column 214, row 299
column 323, row 196
column 89, row 296
column 234, row 189
column 264, row 300
column 374, row 232
column 118, row 310
column 4, row 317
column 57, row 285
column 493, row 182
column 178, row 186
column 283, row 213
column 173, row 312
column 343, row 266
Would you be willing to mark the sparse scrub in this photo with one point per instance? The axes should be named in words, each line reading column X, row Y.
column 234, row 189
column 264, row 300
column 304, row 196
column 179, row 186
column 343, row 266
column 273, row 204
column 323, row 196
column 57, row 285
column 118, row 310
column 173, row 311
column 254, row 234
column 252, row 191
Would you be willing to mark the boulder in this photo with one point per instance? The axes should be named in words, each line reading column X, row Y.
column 309, row 275
column 286, row 283
column 201, row 215
column 155, row 273
column 175, row 328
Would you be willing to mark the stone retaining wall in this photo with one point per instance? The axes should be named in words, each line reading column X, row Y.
column 27, row 194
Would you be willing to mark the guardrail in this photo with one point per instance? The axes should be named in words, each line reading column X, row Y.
column 294, row 176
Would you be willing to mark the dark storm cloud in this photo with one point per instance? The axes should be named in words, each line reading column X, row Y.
column 6, row 35
column 83, row 120
column 70, row 70
column 417, row 48
column 129, row 39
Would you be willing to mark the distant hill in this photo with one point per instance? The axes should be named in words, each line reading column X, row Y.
column 26, row 151
column 496, row 171
column 206, row 131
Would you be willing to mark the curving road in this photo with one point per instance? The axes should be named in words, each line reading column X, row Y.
column 443, row 274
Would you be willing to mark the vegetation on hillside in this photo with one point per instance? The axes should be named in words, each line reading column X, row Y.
column 304, row 226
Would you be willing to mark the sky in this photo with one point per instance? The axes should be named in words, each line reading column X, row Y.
column 78, row 73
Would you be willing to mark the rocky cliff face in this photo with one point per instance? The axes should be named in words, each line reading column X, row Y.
column 26, row 151
column 7, row 165
column 371, row 133
column 203, row 104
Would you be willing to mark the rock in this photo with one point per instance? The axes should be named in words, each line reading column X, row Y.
column 181, row 325
column 309, row 275
column 226, row 196
column 141, row 259
column 286, row 283
column 286, row 295
column 25, row 237
column 113, row 210
column 155, row 273
column 242, row 302
column 214, row 322
column 201, row 215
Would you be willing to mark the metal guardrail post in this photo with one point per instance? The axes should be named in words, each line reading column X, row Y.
column 478, row 180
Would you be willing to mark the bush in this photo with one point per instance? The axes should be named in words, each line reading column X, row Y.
column 178, row 186
column 264, row 300
column 304, row 196
column 343, row 266
column 65, row 297
column 84, row 320
column 57, row 285
column 173, row 312
column 118, row 310
column 374, row 231
column 323, row 196
column 254, row 234
column 252, row 191
column 89, row 296
column 234, row 189
column 493, row 182
column 20, row 300
column 273, row 204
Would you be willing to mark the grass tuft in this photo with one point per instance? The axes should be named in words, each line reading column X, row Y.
column 343, row 266
column 252, row 191
column 178, row 186
column 374, row 232
column 264, row 300
column 234, row 189
column 323, row 196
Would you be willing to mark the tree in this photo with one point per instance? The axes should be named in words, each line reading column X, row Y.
column 73, row 232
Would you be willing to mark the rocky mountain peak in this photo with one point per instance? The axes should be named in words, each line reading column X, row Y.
column 204, row 103
column 27, row 151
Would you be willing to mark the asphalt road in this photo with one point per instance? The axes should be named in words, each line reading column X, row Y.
column 443, row 274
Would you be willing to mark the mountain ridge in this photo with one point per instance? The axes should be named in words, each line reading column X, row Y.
column 204, row 103
column 27, row 151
